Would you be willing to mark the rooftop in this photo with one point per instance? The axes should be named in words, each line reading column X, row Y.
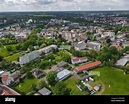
column 63, row 73
column 122, row 62
column 4, row 90
column 44, row 91
column 5, row 77
column 62, row 63
column 88, row 66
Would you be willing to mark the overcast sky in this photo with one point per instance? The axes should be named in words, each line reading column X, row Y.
column 63, row 5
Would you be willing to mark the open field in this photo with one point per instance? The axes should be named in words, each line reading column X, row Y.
column 114, row 81
column 4, row 52
column 26, row 85
column 13, row 57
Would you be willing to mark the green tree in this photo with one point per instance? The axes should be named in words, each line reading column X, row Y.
column 41, row 83
column 33, row 87
column 9, row 48
column 1, row 58
column 29, row 75
column 61, row 89
column 50, row 56
column 51, row 78
column 18, row 47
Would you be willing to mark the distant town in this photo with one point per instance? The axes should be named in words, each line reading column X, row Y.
column 64, row 53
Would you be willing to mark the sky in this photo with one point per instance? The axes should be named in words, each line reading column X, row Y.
column 63, row 5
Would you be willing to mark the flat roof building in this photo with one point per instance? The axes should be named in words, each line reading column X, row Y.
column 63, row 74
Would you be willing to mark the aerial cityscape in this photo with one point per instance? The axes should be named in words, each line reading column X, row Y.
column 64, row 50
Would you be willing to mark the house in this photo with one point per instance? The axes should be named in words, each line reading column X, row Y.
column 28, row 57
column 94, row 45
column 63, row 74
column 4, row 90
column 37, row 73
column 21, row 36
column 79, row 45
column 62, row 64
column 79, row 60
column 47, row 49
column 44, row 91
column 10, row 78
column 88, row 66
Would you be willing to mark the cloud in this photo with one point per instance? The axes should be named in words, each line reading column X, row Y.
column 62, row 5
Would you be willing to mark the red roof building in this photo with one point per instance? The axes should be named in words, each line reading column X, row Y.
column 88, row 66
column 5, row 78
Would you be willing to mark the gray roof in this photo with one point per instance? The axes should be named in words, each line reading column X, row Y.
column 29, row 57
column 122, row 62
column 80, row 45
column 63, row 73
column 62, row 63
column 44, row 91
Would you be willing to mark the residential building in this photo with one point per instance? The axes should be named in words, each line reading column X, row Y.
column 44, row 91
column 79, row 60
column 79, row 45
column 47, row 49
column 28, row 57
column 10, row 78
column 94, row 45
column 37, row 73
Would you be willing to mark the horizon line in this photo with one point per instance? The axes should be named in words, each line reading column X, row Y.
column 67, row 11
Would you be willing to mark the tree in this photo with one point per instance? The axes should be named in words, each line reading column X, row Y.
column 9, row 48
column 61, row 89
column 108, row 40
column 1, row 58
column 113, row 50
column 41, row 83
column 54, row 50
column 51, row 78
column 33, row 87
column 23, row 70
column 29, row 75
column 50, row 56
column 18, row 47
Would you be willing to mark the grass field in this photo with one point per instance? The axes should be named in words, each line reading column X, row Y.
column 25, row 86
column 71, row 83
column 13, row 57
column 4, row 52
column 114, row 81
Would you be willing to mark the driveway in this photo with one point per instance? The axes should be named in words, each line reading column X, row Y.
column 53, row 68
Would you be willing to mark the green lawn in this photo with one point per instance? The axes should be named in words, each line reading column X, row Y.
column 71, row 83
column 4, row 52
column 25, row 86
column 13, row 57
column 119, row 83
